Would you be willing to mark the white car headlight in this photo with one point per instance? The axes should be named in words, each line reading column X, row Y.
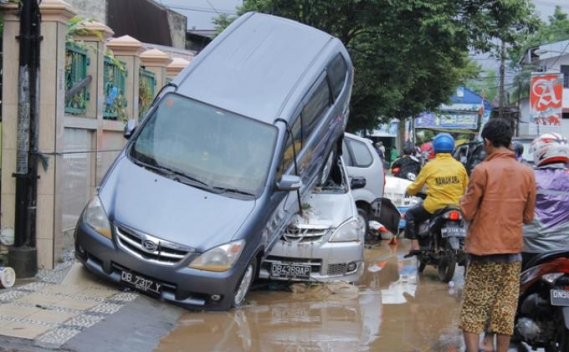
column 348, row 232
column 220, row 258
column 96, row 217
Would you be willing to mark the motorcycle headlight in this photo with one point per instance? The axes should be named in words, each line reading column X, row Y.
column 96, row 217
column 220, row 258
column 348, row 232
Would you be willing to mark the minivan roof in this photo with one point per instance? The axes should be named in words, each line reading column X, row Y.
column 254, row 65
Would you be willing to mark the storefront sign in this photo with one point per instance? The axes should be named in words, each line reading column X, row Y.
column 546, row 98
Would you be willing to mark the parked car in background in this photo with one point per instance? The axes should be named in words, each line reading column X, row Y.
column 323, row 243
column 208, row 183
column 362, row 160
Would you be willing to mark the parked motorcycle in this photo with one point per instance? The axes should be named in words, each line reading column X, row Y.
column 442, row 239
column 542, row 319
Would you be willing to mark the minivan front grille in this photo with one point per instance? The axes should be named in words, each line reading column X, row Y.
column 304, row 233
column 150, row 248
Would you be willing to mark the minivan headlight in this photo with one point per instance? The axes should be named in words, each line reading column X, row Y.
column 348, row 232
column 96, row 217
column 221, row 258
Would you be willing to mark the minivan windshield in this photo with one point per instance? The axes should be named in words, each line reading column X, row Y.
column 208, row 147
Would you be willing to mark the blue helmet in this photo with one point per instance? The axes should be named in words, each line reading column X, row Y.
column 443, row 143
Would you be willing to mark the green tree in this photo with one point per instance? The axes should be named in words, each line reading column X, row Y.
column 486, row 84
column 409, row 55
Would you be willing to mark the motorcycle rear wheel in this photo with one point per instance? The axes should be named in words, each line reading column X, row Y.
column 447, row 264
column 561, row 343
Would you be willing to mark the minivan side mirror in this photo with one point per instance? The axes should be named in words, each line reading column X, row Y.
column 289, row 183
column 358, row 182
column 129, row 128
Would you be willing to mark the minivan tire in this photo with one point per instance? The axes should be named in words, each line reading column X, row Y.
column 244, row 284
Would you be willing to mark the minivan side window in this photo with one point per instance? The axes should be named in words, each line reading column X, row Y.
column 337, row 74
column 361, row 154
column 316, row 106
column 288, row 155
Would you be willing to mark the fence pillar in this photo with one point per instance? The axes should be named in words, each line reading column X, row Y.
column 55, row 16
column 175, row 67
column 10, row 64
column 156, row 62
column 128, row 50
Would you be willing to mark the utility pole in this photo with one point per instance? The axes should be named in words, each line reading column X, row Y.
column 502, row 78
column 23, row 255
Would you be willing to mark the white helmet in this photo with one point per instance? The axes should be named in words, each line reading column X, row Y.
column 550, row 148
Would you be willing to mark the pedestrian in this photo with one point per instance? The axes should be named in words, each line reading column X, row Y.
column 380, row 149
column 500, row 197
column 394, row 154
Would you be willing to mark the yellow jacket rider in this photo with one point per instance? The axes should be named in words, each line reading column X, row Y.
column 446, row 180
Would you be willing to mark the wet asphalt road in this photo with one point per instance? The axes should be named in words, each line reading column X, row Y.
column 393, row 309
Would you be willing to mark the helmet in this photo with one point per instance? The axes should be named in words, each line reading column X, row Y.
column 518, row 148
column 443, row 143
column 550, row 148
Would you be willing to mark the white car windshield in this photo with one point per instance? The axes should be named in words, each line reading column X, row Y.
column 212, row 148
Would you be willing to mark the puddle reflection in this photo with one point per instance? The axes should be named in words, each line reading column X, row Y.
column 394, row 310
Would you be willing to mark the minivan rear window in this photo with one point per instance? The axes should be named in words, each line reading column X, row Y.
column 219, row 150
column 337, row 73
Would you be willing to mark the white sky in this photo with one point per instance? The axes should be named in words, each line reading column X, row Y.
column 201, row 12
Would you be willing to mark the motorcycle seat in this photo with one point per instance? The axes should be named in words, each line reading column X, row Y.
column 545, row 257
column 436, row 218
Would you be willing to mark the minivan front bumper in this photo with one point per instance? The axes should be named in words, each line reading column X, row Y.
column 329, row 261
column 180, row 285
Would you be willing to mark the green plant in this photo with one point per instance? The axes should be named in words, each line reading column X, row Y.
column 144, row 96
column 120, row 105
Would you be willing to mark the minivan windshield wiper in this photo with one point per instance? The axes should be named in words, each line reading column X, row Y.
column 171, row 174
column 232, row 190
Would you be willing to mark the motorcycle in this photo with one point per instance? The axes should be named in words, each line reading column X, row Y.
column 442, row 240
column 411, row 176
column 542, row 318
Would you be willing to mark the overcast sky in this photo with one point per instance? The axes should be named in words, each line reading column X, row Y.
column 201, row 12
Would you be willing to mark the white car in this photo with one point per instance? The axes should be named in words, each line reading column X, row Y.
column 363, row 161
column 325, row 242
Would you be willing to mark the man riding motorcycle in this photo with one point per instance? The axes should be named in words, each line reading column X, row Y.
column 550, row 228
column 407, row 164
column 446, row 180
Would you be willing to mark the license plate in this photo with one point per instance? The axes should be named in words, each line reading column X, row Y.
column 560, row 298
column 141, row 283
column 453, row 232
column 290, row 271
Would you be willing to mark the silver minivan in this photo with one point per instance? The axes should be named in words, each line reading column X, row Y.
column 208, row 182
column 323, row 243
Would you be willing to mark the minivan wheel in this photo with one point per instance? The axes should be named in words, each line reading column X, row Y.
column 244, row 284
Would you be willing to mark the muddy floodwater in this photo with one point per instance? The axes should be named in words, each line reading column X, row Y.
column 390, row 309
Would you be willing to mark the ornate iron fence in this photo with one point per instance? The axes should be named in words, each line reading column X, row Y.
column 146, row 91
column 114, row 90
column 76, row 62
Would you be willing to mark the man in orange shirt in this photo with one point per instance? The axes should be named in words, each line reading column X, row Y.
column 500, row 197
